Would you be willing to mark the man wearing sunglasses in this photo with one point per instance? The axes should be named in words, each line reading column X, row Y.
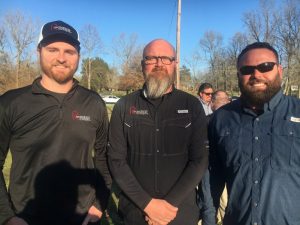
column 255, row 145
column 157, row 151
column 205, row 92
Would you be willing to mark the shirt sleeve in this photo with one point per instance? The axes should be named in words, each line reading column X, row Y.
column 216, row 176
column 197, row 162
column 6, row 211
column 117, row 155
column 101, row 164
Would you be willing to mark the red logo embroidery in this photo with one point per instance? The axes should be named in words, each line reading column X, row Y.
column 132, row 110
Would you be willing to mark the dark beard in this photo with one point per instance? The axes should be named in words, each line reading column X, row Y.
column 157, row 82
column 259, row 98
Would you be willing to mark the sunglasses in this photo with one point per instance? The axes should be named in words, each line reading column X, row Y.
column 207, row 94
column 263, row 68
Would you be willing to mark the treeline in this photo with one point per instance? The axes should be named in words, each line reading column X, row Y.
column 277, row 22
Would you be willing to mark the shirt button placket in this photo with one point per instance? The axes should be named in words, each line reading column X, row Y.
column 256, row 148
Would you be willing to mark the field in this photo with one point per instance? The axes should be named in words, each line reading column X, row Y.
column 113, row 218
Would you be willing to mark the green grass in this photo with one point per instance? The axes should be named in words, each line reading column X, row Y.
column 6, row 168
column 109, row 109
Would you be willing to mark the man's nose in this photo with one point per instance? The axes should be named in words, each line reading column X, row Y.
column 159, row 61
column 61, row 57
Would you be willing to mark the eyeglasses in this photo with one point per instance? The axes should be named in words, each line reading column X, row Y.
column 207, row 93
column 149, row 60
column 263, row 68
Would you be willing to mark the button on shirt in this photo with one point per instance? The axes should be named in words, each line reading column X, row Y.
column 258, row 157
column 158, row 148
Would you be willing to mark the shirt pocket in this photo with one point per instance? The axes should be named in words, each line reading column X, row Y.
column 285, row 152
column 229, row 147
column 139, row 133
column 176, row 135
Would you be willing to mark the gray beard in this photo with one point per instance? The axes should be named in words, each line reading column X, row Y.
column 157, row 87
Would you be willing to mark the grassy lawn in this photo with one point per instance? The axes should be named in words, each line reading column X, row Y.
column 6, row 168
column 113, row 201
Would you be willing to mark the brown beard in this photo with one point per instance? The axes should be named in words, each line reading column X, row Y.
column 258, row 98
column 59, row 78
column 158, row 81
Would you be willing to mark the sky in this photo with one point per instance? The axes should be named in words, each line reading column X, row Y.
column 147, row 19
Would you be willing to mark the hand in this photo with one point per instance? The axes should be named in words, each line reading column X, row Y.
column 150, row 222
column 93, row 215
column 16, row 221
column 160, row 211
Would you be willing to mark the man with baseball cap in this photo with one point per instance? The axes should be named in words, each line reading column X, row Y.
column 56, row 131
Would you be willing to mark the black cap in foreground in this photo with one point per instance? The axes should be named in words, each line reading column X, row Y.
column 59, row 31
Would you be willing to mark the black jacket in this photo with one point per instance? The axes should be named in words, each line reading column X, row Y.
column 158, row 150
column 56, row 146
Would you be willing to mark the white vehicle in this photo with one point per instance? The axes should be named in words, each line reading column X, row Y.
column 111, row 99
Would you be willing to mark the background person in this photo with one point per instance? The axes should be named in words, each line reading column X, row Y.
column 254, row 145
column 205, row 92
column 158, row 151
column 218, row 99
column 52, row 128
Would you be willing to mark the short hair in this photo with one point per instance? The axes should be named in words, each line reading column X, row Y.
column 257, row 45
column 204, row 86
column 216, row 94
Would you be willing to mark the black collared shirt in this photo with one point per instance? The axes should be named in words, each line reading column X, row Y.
column 158, row 151
column 58, row 150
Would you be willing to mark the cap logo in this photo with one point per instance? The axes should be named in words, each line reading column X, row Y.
column 57, row 27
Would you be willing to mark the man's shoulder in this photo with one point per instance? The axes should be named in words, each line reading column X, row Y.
column 15, row 94
column 85, row 92
column 131, row 97
column 185, row 95
column 293, row 103
column 292, row 99
column 227, row 111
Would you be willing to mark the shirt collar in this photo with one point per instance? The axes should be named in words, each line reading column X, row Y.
column 274, row 101
column 203, row 102
column 268, row 106
column 37, row 88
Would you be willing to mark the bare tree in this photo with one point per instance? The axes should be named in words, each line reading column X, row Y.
column 288, row 41
column 124, row 49
column 22, row 33
column 91, row 44
column 129, row 55
column 212, row 45
column 261, row 23
column 234, row 47
column 194, row 62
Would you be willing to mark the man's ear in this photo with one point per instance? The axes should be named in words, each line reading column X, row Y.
column 280, row 70
column 142, row 64
column 38, row 51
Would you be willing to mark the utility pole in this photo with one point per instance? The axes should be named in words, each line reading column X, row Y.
column 178, row 45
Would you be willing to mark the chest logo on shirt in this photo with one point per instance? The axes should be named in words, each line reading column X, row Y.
column 295, row 119
column 180, row 111
column 134, row 111
column 77, row 116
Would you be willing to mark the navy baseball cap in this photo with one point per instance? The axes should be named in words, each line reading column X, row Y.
column 59, row 31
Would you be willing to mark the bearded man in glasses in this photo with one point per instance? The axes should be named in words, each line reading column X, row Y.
column 255, row 145
column 158, row 145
